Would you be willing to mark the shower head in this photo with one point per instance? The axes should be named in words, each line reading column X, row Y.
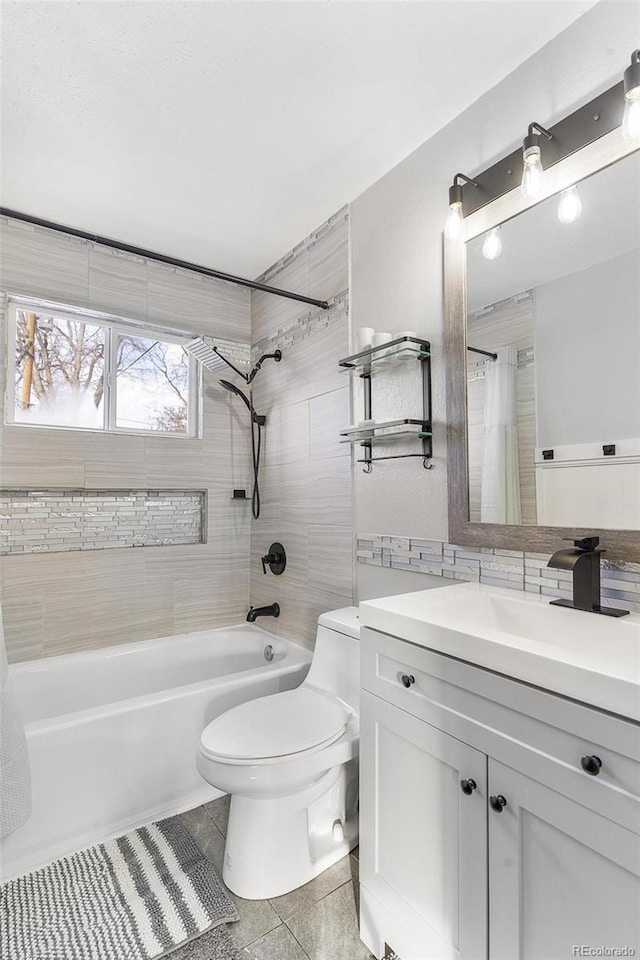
column 231, row 387
column 210, row 357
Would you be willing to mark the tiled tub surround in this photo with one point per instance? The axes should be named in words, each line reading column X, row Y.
column 55, row 521
column 85, row 599
column 499, row 568
column 305, row 477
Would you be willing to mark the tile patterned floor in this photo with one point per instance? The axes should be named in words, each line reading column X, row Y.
column 316, row 922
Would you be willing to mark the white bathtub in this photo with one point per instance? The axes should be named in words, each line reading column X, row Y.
column 113, row 733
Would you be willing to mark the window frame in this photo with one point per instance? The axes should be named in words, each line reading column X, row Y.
column 114, row 327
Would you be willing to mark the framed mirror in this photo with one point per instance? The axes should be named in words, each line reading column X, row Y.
column 542, row 301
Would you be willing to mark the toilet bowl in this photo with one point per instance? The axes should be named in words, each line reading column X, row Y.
column 290, row 763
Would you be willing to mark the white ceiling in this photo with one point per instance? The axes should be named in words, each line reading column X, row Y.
column 224, row 132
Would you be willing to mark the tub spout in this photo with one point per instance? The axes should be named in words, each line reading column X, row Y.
column 271, row 611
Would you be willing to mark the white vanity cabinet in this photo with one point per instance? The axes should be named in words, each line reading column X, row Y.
column 449, row 871
column 423, row 842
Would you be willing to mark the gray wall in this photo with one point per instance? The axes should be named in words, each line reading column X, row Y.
column 306, row 485
column 396, row 239
column 587, row 348
column 82, row 600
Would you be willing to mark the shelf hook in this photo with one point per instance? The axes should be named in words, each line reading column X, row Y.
column 426, row 463
column 367, row 468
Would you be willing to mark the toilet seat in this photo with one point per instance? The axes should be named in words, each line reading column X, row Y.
column 276, row 726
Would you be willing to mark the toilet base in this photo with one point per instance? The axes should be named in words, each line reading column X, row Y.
column 276, row 845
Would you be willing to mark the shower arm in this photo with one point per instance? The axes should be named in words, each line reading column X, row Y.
column 248, row 377
column 277, row 356
column 229, row 364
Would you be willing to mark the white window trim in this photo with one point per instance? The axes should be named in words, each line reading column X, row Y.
column 114, row 326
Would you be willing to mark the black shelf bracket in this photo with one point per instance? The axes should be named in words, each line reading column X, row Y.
column 421, row 350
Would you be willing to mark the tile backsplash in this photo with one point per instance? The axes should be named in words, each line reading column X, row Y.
column 513, row 569
column 62, row 520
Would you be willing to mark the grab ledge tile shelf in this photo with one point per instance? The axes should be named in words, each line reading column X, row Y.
column 370, row 433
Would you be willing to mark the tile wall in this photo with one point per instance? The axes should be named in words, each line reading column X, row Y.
column 306, row 479
column 86, row 599
column 512, row 569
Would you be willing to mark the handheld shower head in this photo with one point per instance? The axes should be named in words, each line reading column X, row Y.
column 256, row 435
column 231, row 387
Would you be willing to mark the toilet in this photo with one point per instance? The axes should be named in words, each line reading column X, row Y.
column 290, row 763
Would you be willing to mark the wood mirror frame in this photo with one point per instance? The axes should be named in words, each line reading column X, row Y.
column 620, row 544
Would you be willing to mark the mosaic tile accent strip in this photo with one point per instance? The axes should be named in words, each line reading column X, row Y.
column 308, row 243
column 499, row 568
column 305, row 326
column 51, row 521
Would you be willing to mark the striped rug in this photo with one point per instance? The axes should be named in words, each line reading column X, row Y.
column 134, row 898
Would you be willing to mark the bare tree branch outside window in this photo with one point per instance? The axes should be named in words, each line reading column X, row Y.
column 60, row 367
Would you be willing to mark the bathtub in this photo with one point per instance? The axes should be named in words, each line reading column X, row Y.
column 113, row 733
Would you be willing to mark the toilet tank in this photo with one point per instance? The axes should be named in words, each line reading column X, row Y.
column 336, row 659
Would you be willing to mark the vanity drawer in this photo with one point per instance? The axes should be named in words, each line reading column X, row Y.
column 523, row 726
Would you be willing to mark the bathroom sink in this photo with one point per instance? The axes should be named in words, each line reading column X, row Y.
column 535, row 619
column 592, row 658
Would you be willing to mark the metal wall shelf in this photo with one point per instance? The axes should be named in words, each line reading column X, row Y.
column 409, row 348
column 369, row 433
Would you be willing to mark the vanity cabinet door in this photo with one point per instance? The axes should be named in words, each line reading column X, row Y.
column 423, row 840
column 560, row 875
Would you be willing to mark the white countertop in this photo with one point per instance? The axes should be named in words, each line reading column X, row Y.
column 592, row 658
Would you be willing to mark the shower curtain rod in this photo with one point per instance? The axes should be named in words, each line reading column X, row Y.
column 485, row 353
column 161, row 258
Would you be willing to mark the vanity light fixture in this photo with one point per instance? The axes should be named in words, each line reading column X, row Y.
column 492, row 246
column 617, row 107
column 453, row 228
column 532, row 172
column 570, row 206
column 631, row 117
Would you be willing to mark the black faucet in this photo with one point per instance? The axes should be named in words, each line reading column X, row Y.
column 583, row 559
column 255, row 612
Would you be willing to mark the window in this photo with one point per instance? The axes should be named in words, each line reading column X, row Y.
column 73, row 369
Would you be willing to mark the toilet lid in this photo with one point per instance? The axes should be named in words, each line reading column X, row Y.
column 275, row 726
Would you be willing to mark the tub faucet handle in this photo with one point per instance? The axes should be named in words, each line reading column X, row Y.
column 276, row 559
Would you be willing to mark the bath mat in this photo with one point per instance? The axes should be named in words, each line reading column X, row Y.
column 138, row 897
column 217, row 944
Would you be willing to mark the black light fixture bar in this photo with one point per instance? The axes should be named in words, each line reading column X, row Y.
column 160, row 257
column 585, row 125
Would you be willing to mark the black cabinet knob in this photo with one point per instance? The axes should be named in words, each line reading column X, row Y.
column 468, row 786
column 591, row 765
column 407, row 679
column 497, row 803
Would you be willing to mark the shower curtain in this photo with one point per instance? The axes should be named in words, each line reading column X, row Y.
column 15, row 777
column 500, row 491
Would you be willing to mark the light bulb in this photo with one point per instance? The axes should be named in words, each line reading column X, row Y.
column 631, row 86
column 453, row 228
column 631, row 117
column 532, row 173
column 492, row 246
column 570, row 206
